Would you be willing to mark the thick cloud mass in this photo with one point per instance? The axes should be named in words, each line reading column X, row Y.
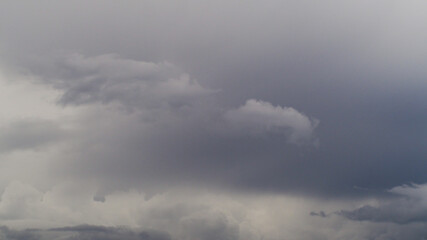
column 147, row 107
column 82, row 232
column 293, row 117
column 409, row 207
column 108, row 78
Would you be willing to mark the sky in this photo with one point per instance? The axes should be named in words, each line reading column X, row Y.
column 213, row 120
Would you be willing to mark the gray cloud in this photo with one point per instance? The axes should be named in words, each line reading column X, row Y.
column 82, row 232
column 219, row 96
column 109, row 78
column 29, row 134
column 319, row 214
column 89, row 232
column 259, row 117
column 195, row 230
column 351, row 70
column 210, row 227
column 8, row 234
column 164, row 106
column 386, row 213
column 408, row 207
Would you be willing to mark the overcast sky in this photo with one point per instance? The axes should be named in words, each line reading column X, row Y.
column 216, row 120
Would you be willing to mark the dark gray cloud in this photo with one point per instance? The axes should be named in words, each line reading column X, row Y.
column 8, row 234
column 82, row 232
column 193, row 229
column 353, row 71
column 319, row 214
column 89, row 232
column 109, row 78
column 163, row 105
column 226, row 95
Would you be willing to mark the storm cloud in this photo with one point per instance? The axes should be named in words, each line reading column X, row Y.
column 81, row 232
column 109, row 78
column 284, row 113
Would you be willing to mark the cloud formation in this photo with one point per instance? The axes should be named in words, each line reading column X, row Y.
column 259, row 117
column 163, row 105
column 82, row 232
column 114, row 112
column 29, row 134
column 408, row 207
column 109, row 78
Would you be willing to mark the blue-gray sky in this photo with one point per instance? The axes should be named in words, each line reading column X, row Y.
column 185, row 119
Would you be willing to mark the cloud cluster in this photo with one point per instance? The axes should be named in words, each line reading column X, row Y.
column 185, row 215
column 113, row 111
column 172, row 215
column 162, row 105
column 408, row 207
column 260, row 116
column 109, row 78
column 368, row 91
column 81, row 232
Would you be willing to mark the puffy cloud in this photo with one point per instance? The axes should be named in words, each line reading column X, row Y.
column 368, row 91
column 408, row 207
column 171, row 215
column 370, row 117
column 184, row 214
column 164, row 105
column 258, row 116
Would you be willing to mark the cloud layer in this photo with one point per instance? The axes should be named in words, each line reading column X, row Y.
column 213, row 120
column 408, row 207
column 109, row 78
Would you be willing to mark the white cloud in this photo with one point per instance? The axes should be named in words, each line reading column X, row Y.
column 187, row 214
column 408, row 207
column 416, row 191
column 258, row 116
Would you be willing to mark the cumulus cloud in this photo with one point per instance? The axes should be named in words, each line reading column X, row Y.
column 408, row 207
column 149, row 117
column 186, row 217
column 258, row 116
column 169, row 215
column 400, row 216
column 183, row 215
column 167, row 109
